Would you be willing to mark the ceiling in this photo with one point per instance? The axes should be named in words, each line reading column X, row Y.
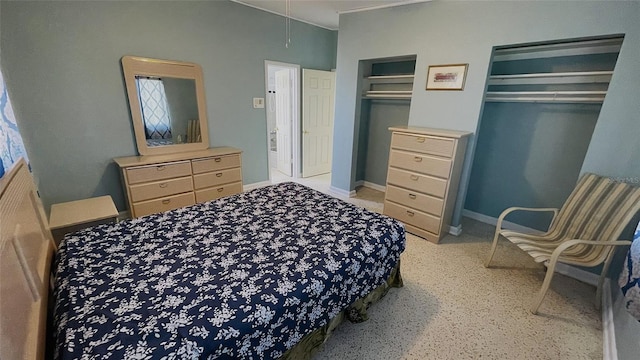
column 323, row 13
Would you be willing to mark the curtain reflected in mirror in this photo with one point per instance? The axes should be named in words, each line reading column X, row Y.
column 169, row 110
column 167, row 104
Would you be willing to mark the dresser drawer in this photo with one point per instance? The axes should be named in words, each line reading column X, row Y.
column 424, row 144
column 163, row 204
column 162, row 188
column 216, row 163
column 141, row 174
column 418, row 182
column 413, row 217
column 218, row 192
column 415, row 200
column 420, row 163
column 210, row 179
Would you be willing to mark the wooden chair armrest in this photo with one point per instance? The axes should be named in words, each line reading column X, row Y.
column 516, row 208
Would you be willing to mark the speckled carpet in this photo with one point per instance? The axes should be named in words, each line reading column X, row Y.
column 452, row 307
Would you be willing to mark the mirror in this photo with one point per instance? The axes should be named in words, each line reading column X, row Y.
column 167, row 104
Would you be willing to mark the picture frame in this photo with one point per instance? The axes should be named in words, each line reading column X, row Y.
column 447, row 77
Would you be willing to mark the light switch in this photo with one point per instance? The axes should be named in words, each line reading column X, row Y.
column 258, row 103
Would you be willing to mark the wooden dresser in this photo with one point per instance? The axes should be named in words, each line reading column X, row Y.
column 156, row 183
column 422, row 179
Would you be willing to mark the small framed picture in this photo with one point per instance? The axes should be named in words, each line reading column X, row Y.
column 446, row 77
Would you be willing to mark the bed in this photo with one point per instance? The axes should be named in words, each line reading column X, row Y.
column 266, row 274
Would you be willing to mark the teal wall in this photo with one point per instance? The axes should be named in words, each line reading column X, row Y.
column 183, row 104
column 531, row 154
column 446, row 32
column 379, row 116
column 376, row 117
column 62, row 66
column 528, row 155
column 450, row 32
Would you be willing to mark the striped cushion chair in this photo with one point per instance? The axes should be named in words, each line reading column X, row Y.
column 584, row 232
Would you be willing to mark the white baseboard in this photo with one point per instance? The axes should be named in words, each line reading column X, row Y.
column 371, row 185
column 609, row 349
column 578, row 274
column 493, row 221
column 564, row 269
column 123, row 215
column 260, row 184
column 375, row 186
column 455, row 230
column 342, row 192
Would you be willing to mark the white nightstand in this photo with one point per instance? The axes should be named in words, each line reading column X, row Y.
column 76, row 215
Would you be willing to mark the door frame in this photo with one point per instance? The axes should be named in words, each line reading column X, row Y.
column 295, row 114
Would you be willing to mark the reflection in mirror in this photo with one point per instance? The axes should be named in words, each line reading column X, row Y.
column 169, row 110
column 167, row 104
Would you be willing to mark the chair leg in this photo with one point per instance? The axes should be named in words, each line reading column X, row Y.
column 494, row 245
column 551, row 269
column 603, row 275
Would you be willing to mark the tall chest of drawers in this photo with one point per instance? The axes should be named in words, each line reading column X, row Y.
column 156, row 183
column 423, row 177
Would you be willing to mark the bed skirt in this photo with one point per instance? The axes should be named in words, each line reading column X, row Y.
column 356, row 313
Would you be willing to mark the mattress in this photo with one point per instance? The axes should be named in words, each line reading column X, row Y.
column 245, row 276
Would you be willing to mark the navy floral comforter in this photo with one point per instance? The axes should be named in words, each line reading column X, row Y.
column 242, row 277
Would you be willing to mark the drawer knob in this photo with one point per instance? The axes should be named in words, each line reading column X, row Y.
column 160, row 167
column 163, row 185
column 417, row 159
column 218, row 174
column 410, row 213
column 166, row 201
column 420, row 139
column 217, row 159
column 412, row 196
column 414, row 177
column 220, row 189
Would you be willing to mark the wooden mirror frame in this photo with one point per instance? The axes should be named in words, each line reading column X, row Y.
column 133, row 66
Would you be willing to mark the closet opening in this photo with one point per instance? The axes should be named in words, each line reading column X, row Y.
column 386, row 88
column 541, row 105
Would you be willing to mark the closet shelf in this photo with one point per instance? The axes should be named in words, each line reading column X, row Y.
column 546, row 96
column 390, row 79
column 580, row 77
column 590, row 47
column 388, row 94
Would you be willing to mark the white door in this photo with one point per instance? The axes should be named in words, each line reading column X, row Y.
column 318, row 93
column 283, row 121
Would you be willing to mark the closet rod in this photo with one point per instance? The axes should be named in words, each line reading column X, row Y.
column 547, row 96
column 387, row 96
column 581, row 77
column 372, row 92
column 554, row 93
column 547, row 100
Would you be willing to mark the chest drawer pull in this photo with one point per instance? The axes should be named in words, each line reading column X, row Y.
column 410, row 213
column 160, row 167
column 220, row 189
column 163, row 185
column 218, row 174
column 217, row 159
column 412, row 196
column 420, row 139
column 417, row 159
column 166, row 201
column 414, row 177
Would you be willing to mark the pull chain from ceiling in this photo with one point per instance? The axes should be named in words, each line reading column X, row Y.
column 287, row 23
